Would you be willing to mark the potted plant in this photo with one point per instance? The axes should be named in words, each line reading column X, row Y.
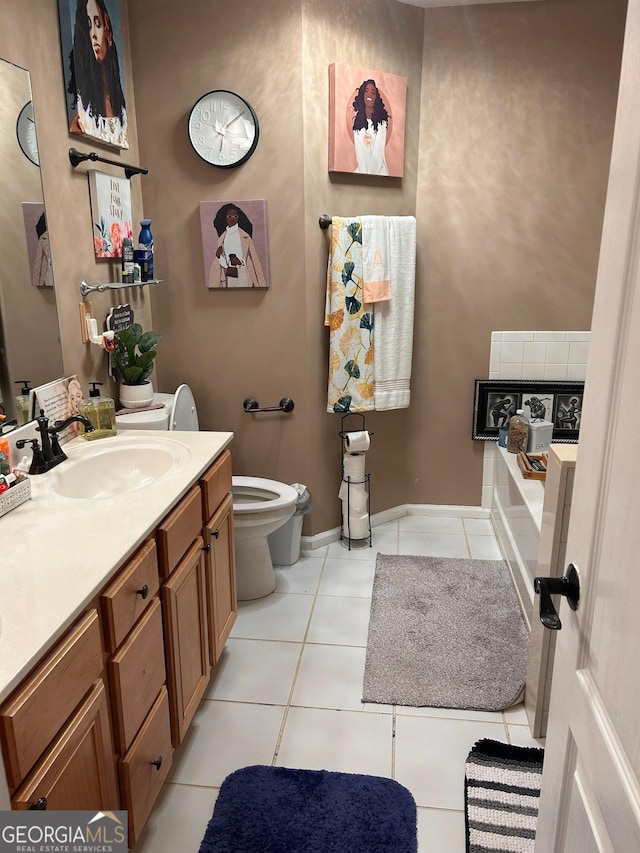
column 132, row 358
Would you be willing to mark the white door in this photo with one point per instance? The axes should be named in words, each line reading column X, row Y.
column 591, row 782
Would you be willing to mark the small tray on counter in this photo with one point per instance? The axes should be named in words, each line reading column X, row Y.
column 528, row 471
column 16, row 495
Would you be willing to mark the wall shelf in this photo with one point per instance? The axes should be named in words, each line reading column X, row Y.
column 86, row 288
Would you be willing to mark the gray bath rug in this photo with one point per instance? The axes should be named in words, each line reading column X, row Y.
column 445, row 633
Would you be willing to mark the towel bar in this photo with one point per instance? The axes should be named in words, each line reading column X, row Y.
column 250, row 406
column 324, row 221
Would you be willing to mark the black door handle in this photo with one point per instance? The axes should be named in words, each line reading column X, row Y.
column 568, row 585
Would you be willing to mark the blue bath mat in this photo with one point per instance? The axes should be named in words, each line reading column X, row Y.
column 278, row 810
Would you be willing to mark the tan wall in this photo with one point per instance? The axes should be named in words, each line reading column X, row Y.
column 509, row 123
column 30, row 37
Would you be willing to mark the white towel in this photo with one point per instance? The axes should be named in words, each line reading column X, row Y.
column 393, row 320
column 376, row 282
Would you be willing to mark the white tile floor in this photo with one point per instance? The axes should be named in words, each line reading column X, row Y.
column 287, row 691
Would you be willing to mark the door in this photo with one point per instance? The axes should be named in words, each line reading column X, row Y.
column 591, row 783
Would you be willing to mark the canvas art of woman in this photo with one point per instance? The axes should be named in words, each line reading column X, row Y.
column 237, row 263
column 100, row 109
column 371, row 129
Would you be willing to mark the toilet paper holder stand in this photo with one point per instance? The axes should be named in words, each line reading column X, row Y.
column 353, row 541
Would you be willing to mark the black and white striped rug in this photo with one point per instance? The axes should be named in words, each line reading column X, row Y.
column 502, row 791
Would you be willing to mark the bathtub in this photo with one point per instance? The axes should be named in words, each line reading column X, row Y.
column 516, row 512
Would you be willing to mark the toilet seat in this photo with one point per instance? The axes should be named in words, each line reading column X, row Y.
column 257, row 495
column 184, row 415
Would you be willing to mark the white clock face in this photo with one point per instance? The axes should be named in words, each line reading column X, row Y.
column 26, row 130
column 223, row 129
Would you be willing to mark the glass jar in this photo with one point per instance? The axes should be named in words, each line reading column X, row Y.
column 518, row 433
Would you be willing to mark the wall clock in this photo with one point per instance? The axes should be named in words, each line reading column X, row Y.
column 26, row 131
column 223, row 129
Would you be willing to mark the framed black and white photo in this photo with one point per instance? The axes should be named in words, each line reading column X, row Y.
column 496, row 400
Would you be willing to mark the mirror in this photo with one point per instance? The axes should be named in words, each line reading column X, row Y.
column 29, row 333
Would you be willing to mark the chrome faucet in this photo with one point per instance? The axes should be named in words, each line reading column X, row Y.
column 51, row 453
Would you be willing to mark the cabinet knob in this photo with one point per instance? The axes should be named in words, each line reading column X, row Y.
column 39, row 806
column 157, row 763
column 143, row 591
column 215, row 533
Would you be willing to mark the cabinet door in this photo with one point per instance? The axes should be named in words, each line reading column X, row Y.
column 184, row 605
column 78, row 771
column 146, row 765
column 221, row 577
column 136, row 674
column 32, row 717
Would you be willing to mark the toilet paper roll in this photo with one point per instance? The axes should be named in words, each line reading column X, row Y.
column 353, row 467
column 356, row 526
column 356, row 442
column 354, row 497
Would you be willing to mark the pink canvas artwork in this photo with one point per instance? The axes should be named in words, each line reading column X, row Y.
column 366, row 121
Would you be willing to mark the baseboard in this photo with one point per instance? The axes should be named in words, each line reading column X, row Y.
column 308, row 544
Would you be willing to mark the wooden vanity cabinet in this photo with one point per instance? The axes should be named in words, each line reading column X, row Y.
column 184, row 607
column 55, row 729
column 217, row 512
column 133, row 630
column 78, row 770
column 95, row 724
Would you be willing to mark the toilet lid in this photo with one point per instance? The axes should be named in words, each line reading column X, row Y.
column 150, row 419
column 184, row 415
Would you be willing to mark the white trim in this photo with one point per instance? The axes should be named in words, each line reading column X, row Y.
column 308, row 544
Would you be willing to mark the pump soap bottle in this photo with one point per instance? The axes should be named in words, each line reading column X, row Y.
column 101, row 411
column 22, row 401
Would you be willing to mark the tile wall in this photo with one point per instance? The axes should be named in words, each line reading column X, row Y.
column 532, row 355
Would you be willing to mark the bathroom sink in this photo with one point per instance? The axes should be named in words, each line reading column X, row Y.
column 117, row 468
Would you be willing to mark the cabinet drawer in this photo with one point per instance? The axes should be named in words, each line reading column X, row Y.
column 140, row 779
column 178, row 530
column 124, row 600
column 136, row 673
column 30, row 720
column 78, row 771
column 215, row 483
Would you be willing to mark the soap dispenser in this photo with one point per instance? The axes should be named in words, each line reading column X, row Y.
column 22, row 401
column 101, row 411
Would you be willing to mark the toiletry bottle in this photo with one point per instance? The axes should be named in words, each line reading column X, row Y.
column 101, row 411
column 144, row 255
column 518, row 433
column 22, row 401
column 5, row 463
column 127, row 261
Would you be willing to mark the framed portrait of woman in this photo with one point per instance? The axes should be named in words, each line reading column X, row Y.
column 234, row 244
column 366, row 121
column 93, row 72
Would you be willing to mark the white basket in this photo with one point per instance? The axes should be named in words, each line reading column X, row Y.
column 16, row 495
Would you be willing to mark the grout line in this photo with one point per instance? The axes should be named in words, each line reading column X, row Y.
column 285, row 716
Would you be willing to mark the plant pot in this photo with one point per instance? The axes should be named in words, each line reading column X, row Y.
column 136, row 396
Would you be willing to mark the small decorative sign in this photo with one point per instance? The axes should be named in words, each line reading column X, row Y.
column 110, row 213
column 120, row 317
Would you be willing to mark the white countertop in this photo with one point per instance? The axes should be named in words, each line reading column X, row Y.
column 57, row 553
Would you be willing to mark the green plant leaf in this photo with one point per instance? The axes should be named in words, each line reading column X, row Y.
column 133, row 354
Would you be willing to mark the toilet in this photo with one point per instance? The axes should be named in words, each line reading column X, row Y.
column 260, row 506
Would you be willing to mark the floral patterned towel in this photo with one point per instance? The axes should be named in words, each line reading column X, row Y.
column 350, row 321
